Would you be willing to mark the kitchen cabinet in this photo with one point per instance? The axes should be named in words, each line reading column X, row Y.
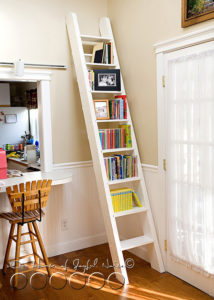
column 4, row 94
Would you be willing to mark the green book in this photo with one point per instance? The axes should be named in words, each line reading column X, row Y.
column 128, row 137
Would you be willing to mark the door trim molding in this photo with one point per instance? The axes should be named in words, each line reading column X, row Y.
column 190, row 39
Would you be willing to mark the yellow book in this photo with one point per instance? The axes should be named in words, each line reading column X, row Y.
column 137, row 200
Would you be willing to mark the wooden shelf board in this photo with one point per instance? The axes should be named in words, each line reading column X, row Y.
column 114, row 121
column 136, row 242
column 93, row 38
column 119, row 181
column 106, row 92
column 134, row 210
column 117, row 150
column 96, row 65
column 88, row 54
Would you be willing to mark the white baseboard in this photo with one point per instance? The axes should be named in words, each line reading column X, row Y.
column 61, row 248
column 85, row 242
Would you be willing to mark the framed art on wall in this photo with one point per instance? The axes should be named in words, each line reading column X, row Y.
column 196, row 11
column 101, row 108
column 107, row 80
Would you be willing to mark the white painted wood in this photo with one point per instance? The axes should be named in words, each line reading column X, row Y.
column 118, row 150
column 194, row 38
column 58, row 176
column 45, row 130
column 97, row 153
column 135, row 210
column 106, row 92
column 94, row 38
column 113, row 121
column 136, row 242
column 122, row 181
column 148, row 224
column 195, row 42
column 96, row 65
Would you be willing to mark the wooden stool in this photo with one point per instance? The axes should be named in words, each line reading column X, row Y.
column 27, row 203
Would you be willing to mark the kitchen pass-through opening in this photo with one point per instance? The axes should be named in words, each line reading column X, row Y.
column 19, row 126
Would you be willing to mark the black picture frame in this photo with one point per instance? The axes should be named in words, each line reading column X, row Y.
column 107, row 80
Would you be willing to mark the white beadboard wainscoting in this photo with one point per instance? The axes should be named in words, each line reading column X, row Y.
column 75, row 206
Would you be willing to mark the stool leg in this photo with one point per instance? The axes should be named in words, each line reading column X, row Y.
column 33, row 244
column 42, row 248
column 19, row 232
column 12, row 227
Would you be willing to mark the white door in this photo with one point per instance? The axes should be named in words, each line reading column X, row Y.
column 189, row 131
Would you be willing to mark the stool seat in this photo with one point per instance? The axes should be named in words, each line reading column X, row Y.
column 27, row 201
column 16, row 217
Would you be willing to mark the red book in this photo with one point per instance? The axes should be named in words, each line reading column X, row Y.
column 113, row 133
column 123, row 144
column 124, row 104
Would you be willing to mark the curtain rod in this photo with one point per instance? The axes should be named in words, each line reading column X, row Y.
column 36, row 65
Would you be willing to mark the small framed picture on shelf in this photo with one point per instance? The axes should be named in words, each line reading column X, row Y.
column 101, row 108
column 107, row 80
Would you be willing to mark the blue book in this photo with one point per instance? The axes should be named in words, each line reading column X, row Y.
column 121, row 105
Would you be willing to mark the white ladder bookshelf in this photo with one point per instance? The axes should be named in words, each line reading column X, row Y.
column 116, row 245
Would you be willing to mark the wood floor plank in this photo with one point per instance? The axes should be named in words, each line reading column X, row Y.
column 145, row 283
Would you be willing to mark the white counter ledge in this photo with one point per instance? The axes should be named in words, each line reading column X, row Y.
column 59, row 176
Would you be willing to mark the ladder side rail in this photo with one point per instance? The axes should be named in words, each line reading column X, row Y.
column 149, row 228
column 95, row 145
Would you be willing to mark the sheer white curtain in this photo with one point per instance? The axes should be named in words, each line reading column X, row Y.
column 190, row 151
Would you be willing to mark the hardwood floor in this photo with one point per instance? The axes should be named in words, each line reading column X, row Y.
column 145, row 283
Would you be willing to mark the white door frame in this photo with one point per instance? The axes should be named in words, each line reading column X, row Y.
column 43, row 89
column 170, row 46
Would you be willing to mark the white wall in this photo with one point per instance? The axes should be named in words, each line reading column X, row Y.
column 77, row 203
column 11, row 133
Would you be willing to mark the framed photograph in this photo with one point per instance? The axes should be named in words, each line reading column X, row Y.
column 9, row 119
column 107, row 80
column 101, row 108
column 196, row 11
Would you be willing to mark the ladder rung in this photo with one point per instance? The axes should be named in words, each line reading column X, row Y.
column 134, row 210
column 93, row 38
column 99, row 65
column 117, row 150
column 106, row 92
column 136, row 242
column 119, row 181
column 114, row 121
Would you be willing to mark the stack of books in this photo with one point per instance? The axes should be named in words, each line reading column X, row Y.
column 118, row 107
column 120, row 166
column 123, row 199
column 112, row 138
column 116, row 138
column 102, row 53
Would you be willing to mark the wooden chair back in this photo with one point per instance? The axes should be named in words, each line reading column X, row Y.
column 30, row 193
